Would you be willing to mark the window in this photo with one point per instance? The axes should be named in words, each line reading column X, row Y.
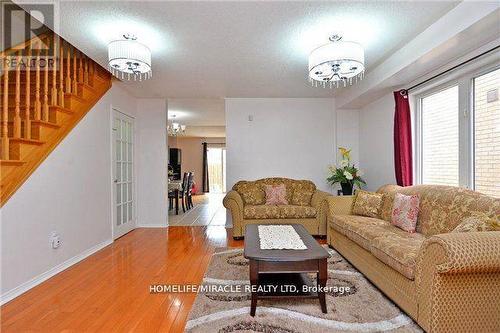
column 440, row 137
column 487, row 133
column 458, row 133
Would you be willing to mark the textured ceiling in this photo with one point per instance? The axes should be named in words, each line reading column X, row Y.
column 197, row 112
column 241, row 49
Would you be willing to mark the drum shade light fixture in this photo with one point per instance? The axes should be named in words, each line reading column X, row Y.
column 336, row 63
column 129, row 59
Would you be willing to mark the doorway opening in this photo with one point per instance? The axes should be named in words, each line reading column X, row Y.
column 197, row 147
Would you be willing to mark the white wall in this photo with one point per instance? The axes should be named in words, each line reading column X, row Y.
column 347, row 132
column 288, row 137
column 376, row 121
column 152, row 164
column 70, row 192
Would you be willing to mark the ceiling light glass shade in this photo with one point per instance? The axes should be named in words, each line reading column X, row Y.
column 129, row 59
column 336, row 63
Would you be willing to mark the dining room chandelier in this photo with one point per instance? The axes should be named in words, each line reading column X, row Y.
column 174, row 128
column 129, row 59
column 337, row 63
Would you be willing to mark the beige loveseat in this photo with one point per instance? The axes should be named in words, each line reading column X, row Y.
column 447, row 282
column 307, row 205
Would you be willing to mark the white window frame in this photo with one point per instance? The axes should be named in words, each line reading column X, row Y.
column 464, row 79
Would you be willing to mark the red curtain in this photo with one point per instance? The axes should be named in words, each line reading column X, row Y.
column 403, row 164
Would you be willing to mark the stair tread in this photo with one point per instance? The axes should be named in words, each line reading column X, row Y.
column 27, row 141
column 45, row 123
column 74, row 96
column 27, row 154
column 11, row 162
column 41, row 122
column 87, row 86
column 22, row 107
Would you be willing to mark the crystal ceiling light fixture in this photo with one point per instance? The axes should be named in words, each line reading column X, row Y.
column 336, row 63
column 129, row 59
column 174, row 128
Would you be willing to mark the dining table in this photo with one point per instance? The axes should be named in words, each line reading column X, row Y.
column 175, row 186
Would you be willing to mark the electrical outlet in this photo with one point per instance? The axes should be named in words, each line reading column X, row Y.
column 55, row 240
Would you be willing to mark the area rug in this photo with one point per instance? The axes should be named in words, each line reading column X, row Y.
column 359, row 308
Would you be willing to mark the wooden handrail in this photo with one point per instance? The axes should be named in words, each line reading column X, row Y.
column 40, row 105
column 24, row 45
column 34, row 92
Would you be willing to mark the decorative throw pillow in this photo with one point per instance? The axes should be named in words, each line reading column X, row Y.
column 367, row 203
column 251, row 193
column 302, row 197
column 478, row 222
column 276, row 195
column 405, row 212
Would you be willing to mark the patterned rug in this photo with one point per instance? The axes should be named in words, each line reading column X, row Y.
column 359, row 308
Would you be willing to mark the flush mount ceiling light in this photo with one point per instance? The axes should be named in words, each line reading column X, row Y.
column 336, row 63
column 129, row 59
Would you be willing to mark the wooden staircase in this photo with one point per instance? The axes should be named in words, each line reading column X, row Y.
column 41, row 104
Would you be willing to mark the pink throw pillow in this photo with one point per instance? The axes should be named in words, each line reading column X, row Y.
column 405, row 212
column 276, row 195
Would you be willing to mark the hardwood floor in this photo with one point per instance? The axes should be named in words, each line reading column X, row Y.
column 109, row 291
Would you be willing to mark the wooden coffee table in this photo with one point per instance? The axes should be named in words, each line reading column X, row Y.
column 285, row 266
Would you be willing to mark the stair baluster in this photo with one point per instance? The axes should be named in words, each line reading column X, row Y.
column 86, row 72
column 74, row 82
column 38, row 104
column 17, row 100
column 61, row 73
column 91, row 72
column 80, row 68
column 53, row 91
column 5, row 113
column 27, row 120
column 45, row 107
column 68, row 68
column 27, row 98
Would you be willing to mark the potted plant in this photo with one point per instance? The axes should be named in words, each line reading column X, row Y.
column 347, row 175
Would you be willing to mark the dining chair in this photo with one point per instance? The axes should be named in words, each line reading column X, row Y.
column 189, row 193
column 183, row 192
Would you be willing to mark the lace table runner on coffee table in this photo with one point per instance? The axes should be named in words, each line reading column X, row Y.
column 280, row 237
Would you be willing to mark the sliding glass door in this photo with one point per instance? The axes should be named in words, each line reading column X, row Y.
column 217, row 169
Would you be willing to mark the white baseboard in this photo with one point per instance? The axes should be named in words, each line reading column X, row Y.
column 13, row 293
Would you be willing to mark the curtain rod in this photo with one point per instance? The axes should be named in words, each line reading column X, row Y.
column 214, row 143
column 453, row 68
